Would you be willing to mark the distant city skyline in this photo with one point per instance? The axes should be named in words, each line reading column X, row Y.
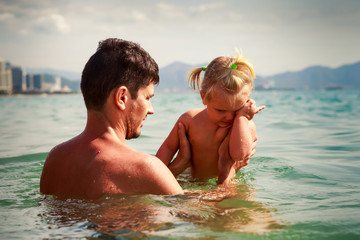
column 14, row 79
column 277, row 35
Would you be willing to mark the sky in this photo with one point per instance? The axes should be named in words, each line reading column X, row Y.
column 276, row 35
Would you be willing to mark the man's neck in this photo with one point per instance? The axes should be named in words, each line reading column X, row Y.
column 99, row 125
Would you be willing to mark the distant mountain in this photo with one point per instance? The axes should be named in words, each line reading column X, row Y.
column 73, row 85
column 317, row 77
column 68, row 78
column 174, row 78
column 74, row 76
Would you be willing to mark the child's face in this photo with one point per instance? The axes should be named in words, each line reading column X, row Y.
column 222, row 107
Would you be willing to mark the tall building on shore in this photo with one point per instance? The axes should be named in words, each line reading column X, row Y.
column 29, row 82
column 38, row 82
column 5, row 78
column 14, row 80
column 18, row 79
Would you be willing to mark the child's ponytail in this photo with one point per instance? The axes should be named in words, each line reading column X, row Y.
column 194, row 78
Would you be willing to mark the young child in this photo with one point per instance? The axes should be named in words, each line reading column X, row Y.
column 222, row 135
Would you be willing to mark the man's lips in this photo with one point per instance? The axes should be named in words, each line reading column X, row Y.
column 142, row 123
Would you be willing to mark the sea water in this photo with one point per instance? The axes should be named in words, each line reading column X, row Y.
column 302, row 183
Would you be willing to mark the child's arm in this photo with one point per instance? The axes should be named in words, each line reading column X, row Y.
column 243, row 133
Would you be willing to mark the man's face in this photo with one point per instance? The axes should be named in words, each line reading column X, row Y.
column 138, row 110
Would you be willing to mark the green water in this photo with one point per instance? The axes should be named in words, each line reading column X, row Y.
column 302, row 183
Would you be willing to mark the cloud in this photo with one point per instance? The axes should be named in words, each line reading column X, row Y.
column 171, row 11
column 138, row 16
column 26, row 18
column 198, row 29
column 5, row 17
column 236, row 16
column 206, row 7
column 52, row 23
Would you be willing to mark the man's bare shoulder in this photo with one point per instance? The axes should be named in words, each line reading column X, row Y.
column 58, row 155
column 143, row 173
column 67, row 146
column 131, row 161
column 65, row 159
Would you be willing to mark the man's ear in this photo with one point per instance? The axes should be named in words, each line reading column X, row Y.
column 121, row 97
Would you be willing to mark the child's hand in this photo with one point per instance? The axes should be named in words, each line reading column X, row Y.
column 249, row 109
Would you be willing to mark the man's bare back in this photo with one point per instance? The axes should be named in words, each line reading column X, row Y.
column 90, row 168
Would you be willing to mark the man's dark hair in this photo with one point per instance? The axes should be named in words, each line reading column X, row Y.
column 116, row 63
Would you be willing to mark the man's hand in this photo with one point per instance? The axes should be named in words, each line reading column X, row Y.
column 226, row 165
column 244, row 162
column 183, row 158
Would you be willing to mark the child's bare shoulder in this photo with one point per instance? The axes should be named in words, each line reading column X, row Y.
column 192, row 112
column 191, row 117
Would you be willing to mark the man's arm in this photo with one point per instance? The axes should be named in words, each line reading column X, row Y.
column 183, row 158
column 138, row 172
column 239, row 145
column 226, row 164
column 169, row 147
column 158, row 179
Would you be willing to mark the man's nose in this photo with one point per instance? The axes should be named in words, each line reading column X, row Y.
column 150, row 109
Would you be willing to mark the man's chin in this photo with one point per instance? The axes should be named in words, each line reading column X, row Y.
column 133, row 135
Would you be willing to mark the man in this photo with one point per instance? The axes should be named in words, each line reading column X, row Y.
column 117, row 85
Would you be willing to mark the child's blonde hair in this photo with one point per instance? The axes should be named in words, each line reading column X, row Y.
column 227, row 73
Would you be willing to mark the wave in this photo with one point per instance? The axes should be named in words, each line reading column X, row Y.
column 24, row 158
